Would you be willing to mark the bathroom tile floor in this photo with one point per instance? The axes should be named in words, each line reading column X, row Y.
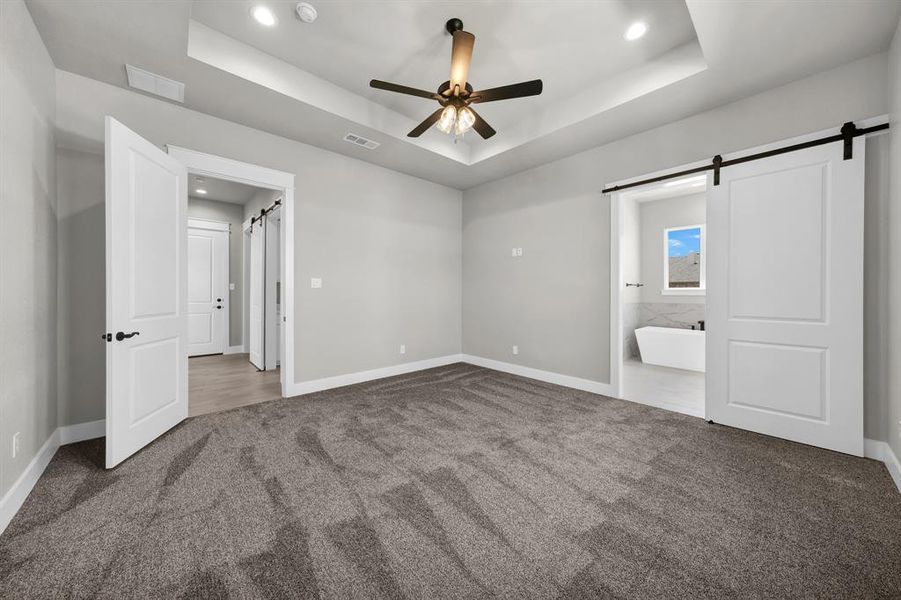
column 673, row 389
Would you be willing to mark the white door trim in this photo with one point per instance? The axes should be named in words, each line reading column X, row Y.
column 200, row 163
column 616, row 283
column 209, row 224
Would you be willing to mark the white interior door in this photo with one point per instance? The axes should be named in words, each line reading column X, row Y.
column 256, row 293
column 785, row 297
column 271, row 318
column 207, row 287
column 146, row 307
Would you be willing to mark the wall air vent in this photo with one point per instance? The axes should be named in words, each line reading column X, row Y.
column 155, row 84
column 361, row 141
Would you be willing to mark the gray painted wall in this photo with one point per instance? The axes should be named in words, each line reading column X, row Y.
column 893, row 387
column 655, row 217
column 233, row 214
column 554, row 301
column 387, row 245
column 28, row 238
column 82, row 285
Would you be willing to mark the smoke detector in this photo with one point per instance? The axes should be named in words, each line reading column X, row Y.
column 306, row 12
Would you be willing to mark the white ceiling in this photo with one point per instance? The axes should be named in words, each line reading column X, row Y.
column 405, row 42
column 310, row 82
column 221, row 190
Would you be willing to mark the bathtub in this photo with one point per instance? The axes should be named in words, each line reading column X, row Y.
column 671, row 347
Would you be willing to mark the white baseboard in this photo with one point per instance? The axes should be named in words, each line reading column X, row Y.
column 881, row 451
column 69, row 434
column 234, row 350
column 13, row 500
column 586, row 385
column 327, row 383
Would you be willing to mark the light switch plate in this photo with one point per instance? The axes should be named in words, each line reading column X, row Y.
column 515, row 349
column 231, row 287
column 315, row 283
column 403, row 348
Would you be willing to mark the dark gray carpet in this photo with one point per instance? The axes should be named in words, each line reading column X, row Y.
column 457, row 482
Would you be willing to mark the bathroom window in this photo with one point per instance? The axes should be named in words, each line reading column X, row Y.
column 684, row 259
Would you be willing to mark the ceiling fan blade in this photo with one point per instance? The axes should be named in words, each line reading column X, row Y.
column 402, row 89
column 422, row 127
column 461, row 55
column 505, row 92
column 481, row 126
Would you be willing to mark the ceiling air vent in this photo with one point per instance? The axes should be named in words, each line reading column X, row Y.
column 155, row 84
column 361, row 141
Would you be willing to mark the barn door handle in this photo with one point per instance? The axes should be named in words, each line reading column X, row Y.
column 219, row 307
column 124, row 336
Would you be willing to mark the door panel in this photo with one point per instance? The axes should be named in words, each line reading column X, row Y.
column 256, row 294
column 147, row 375
column 785, row 299
column 207, row 290
column 271, row 317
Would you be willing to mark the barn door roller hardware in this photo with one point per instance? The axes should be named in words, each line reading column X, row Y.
column 848, row 132
column 264, row 212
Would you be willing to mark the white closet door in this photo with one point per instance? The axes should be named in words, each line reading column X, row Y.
column 257, row 293
column 146, row 299
column 207, row 289
column 785, row 297
column 271, row 319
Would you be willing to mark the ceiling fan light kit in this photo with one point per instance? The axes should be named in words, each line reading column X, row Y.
column 456, row 94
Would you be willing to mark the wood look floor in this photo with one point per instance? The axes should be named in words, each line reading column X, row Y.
column 223, row 382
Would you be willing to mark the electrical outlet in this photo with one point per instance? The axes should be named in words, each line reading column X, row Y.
column 403, row 348
column 519, row 252
column 315, row 283
column 16, row 437
column 515, row 349
column 514, row 252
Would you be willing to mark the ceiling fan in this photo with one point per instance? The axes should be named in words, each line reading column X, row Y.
column 456, row 95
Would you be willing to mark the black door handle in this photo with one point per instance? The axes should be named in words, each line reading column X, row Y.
column 218, row 299
column 124, row 336
column 219, row 307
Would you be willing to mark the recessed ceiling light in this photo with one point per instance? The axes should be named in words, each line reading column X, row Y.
column 263, row 16
column 200, row 191
column 636, row 30
column 306, row 12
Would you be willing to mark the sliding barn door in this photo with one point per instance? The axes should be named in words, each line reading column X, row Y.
column 785, row 297
column 146, row 300
column 257, row 294
column 272, row 286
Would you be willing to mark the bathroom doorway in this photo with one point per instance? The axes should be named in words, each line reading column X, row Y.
column 659, row 322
